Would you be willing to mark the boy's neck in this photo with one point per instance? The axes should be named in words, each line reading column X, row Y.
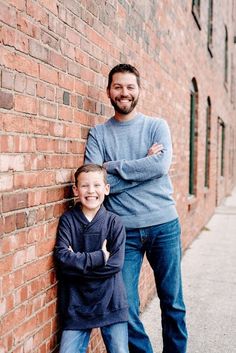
column 89, row 214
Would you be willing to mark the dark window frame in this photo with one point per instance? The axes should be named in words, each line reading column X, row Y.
column 196, row 11
column 210, row 28
column 208, row 144
column 226, row 57
column 193, row 138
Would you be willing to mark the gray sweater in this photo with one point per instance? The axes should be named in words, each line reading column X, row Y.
column 141, row 190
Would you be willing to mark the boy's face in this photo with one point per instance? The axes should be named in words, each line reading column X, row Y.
column 91, row 190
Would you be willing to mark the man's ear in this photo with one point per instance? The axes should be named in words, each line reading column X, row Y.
column 108, row 93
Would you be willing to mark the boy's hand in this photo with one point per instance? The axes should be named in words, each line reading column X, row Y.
column 155, row 149
column 104, row 249
column 70, row 249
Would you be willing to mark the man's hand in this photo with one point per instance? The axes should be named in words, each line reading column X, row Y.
column 155, row 149
column 104, row 249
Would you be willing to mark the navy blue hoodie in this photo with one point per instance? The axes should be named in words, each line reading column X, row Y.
column 91, row 292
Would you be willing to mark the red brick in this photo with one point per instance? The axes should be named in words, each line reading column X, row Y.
column 55, row 194
column 67, row 50
column 23, row 64
column 65, row 113
column 47, row 109
column 38, row 126
column 37, row 12
column 57, row 26
column 50, row 40
column 25, row 26
column 21, row 220
column 7, row 79
column 56, row 60
column 50, row 5
column 13, row 123
column 6, row 100
column 48, row 74
column 20, row 82
column 8, row 15
column 37, row 197
column 19, row 4
column 38, row 51
column 26, row 104
column 22, row 42
column 10, row 223
column 66, row 81
column 14, row 201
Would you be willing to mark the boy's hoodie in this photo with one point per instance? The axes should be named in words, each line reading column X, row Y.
column 91, row 292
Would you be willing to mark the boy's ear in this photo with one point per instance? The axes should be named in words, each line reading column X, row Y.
column 107, row 189
column 75, row 190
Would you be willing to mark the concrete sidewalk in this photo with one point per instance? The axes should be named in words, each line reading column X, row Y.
column 209, row 280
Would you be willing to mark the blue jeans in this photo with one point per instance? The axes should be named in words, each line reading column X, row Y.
column 162, row 246
column 114, row 336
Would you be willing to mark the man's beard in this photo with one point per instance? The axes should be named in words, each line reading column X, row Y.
column 125, row 110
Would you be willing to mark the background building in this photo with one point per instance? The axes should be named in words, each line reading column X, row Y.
column 55, row 57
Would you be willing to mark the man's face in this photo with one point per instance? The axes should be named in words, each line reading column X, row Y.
column 123, row 92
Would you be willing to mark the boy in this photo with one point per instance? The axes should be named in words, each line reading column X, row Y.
column 90, row 252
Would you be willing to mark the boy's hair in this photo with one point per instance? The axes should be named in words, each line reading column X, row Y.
column 91, row 167
column 123, row 68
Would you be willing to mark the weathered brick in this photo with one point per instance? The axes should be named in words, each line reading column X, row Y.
column 6, row 100
column 48, row 75
column 6, row 183
column 37, row 12
column 26, row 104
column 25, row 26
column 7, row 79
column 47, row 109
column 14, row 201
column 8, row 15
column 38, row 51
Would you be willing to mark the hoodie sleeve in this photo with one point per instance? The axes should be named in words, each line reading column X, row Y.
column 116, row 247
column 70, row 262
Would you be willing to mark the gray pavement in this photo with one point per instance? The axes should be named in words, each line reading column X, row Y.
column 209, row 280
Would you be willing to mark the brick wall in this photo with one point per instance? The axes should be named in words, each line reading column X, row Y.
column 55, row 57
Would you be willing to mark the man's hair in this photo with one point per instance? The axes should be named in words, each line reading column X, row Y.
column 87, row 168
column 123, row 68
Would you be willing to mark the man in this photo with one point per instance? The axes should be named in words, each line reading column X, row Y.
column 136, row 152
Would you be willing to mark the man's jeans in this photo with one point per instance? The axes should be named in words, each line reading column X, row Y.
column 163, row 250
column 114, row 336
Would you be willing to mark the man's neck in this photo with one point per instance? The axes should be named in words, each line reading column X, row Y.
column 125, row 117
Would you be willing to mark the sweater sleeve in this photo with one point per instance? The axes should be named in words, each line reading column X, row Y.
column 149, row 167
column 94, row 153
column 69, row 261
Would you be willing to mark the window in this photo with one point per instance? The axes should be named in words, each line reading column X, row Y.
column 196, row 5
column 231, row 153
column 210, row 27
column 221, row 125
column 226, row 56
column 193, row 138
column 208, row 144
